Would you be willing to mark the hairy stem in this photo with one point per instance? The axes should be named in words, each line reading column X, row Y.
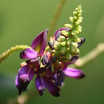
column 7, row 53
column 56, row 16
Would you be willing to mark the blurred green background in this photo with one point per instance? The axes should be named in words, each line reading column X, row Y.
column 22, row 20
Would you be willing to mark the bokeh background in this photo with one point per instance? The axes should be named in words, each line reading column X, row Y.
column 22, row 20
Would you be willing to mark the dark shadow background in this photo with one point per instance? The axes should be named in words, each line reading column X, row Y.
column 22, row 20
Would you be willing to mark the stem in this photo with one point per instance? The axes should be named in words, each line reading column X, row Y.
column 90, row 56
column 7, row 53
column 56, row 16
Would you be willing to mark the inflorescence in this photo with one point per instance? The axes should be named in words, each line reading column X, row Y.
column 50, row 63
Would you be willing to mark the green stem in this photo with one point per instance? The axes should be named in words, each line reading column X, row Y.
column 7, row 53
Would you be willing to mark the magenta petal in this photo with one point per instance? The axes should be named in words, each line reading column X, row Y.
column 57, row 33
column 39, row 85
column 74, row 73
column 40, row 41
column 52, row 88
column 28, row 54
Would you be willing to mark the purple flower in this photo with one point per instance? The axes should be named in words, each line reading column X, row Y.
column 27, row 72
column 50, row 72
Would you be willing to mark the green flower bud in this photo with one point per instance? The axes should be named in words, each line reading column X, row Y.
column 71, row 19
column 79, row 28
column 74, row 49
column 68, row 25
column 74, row 12
column 75, row 17
column 63, row 43
column 61, row 38
column 76, row 39
column 75, row 44
column 68, row 49
column 63, row 50
column 68, row 56
column 56, row 44
column 64, row 32
column 69, row 42
column 73, row 32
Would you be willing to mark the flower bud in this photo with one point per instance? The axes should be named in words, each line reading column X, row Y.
column 63, row 43
column 61, row 38
column 63, row 50
column 68, row 25
column 64, row 32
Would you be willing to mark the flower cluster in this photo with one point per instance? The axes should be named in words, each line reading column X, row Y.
column 50, row 64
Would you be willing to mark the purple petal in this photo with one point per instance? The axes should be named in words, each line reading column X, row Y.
column 39, row 43
column 59, row 78
column 26, row 71
column 39, row 85
column 52, row 88
column 28, row 54
column 58, row 33
column 21, row 85
column 23, row 78
column 82, row 41
column 74, row 73
column 48, row 69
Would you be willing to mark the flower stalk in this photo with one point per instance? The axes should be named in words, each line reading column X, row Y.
column 7, row 53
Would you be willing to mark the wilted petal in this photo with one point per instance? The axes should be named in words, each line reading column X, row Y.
column 74, row 73
column 23, row 78
column 82, row 41
column 39, row 43
column 39, row 85
column 52, row 88
column 58, row 33
column 28, row 54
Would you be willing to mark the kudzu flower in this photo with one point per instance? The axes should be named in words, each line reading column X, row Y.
column 50, row 63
